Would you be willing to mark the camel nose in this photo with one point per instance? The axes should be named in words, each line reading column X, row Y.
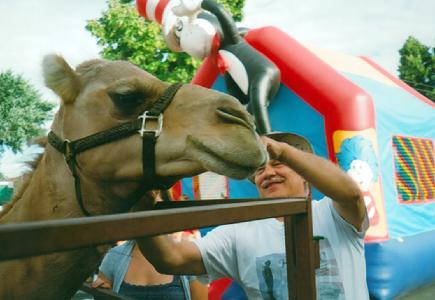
column 231, row 114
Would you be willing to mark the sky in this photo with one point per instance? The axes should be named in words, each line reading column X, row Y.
column 29, row 29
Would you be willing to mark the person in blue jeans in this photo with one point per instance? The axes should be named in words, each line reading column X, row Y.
column 127, row 272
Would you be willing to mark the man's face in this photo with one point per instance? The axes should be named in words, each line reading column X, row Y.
column 276, row 179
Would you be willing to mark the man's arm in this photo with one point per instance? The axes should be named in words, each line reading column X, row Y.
column 170, row 257
column 328, row 178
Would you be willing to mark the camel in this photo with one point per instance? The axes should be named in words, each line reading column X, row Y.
column 202, row 130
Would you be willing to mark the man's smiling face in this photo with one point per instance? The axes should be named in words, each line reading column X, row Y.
column 276, row 179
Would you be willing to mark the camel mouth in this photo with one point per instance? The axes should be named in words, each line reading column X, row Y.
column 235, row 116
column 218, row 163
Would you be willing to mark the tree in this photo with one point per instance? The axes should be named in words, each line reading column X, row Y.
column 22, row 111
column 417, row 67
column 125, row 35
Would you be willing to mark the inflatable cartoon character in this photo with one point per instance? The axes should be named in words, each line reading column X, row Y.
column 204, row 28
column 357, row 157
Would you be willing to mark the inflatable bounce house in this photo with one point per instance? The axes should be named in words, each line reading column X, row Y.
column 374, row 126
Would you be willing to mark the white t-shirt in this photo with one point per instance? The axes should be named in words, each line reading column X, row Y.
column 253, row 254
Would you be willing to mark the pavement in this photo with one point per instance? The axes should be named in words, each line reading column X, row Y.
column 424, row 293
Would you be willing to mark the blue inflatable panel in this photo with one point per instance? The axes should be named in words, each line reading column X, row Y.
column 417, row 120
column 400, row 265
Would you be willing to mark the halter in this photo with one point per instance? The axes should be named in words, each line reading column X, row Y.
column 70, row 149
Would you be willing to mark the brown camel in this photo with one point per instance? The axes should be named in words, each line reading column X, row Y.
column 202, row 130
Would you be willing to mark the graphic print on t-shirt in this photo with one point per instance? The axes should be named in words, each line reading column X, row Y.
column 329, row 283
column 272, row 275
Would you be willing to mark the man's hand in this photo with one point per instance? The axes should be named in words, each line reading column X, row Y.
column 274, row 148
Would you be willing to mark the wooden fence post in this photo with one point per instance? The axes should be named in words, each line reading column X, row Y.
column 300, row 255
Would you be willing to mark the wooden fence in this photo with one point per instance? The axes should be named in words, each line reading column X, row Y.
column 60, row 235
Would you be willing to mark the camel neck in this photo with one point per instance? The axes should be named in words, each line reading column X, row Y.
column 41, row 196
column 46, row 194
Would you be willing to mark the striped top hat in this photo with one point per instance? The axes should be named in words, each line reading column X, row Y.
column 154, row 10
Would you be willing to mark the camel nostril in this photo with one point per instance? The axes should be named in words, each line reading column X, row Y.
column 234, row 115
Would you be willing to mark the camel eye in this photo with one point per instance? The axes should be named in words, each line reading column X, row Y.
column 127, row 101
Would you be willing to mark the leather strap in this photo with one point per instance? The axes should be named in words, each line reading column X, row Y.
column 70, row 149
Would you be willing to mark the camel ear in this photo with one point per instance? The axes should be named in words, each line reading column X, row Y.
column 60, row 77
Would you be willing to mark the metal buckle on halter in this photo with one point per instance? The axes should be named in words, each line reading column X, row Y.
column 146, row 117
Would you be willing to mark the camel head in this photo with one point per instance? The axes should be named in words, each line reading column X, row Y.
column 203, row 130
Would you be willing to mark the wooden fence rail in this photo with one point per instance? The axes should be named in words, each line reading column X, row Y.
column 46, row 237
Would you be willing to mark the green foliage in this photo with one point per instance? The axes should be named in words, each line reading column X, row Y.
column 417, row 66
column 235, row 7
column 22, row 112
column 124, row 35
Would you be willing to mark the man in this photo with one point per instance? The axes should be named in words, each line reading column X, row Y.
column 253, row 253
